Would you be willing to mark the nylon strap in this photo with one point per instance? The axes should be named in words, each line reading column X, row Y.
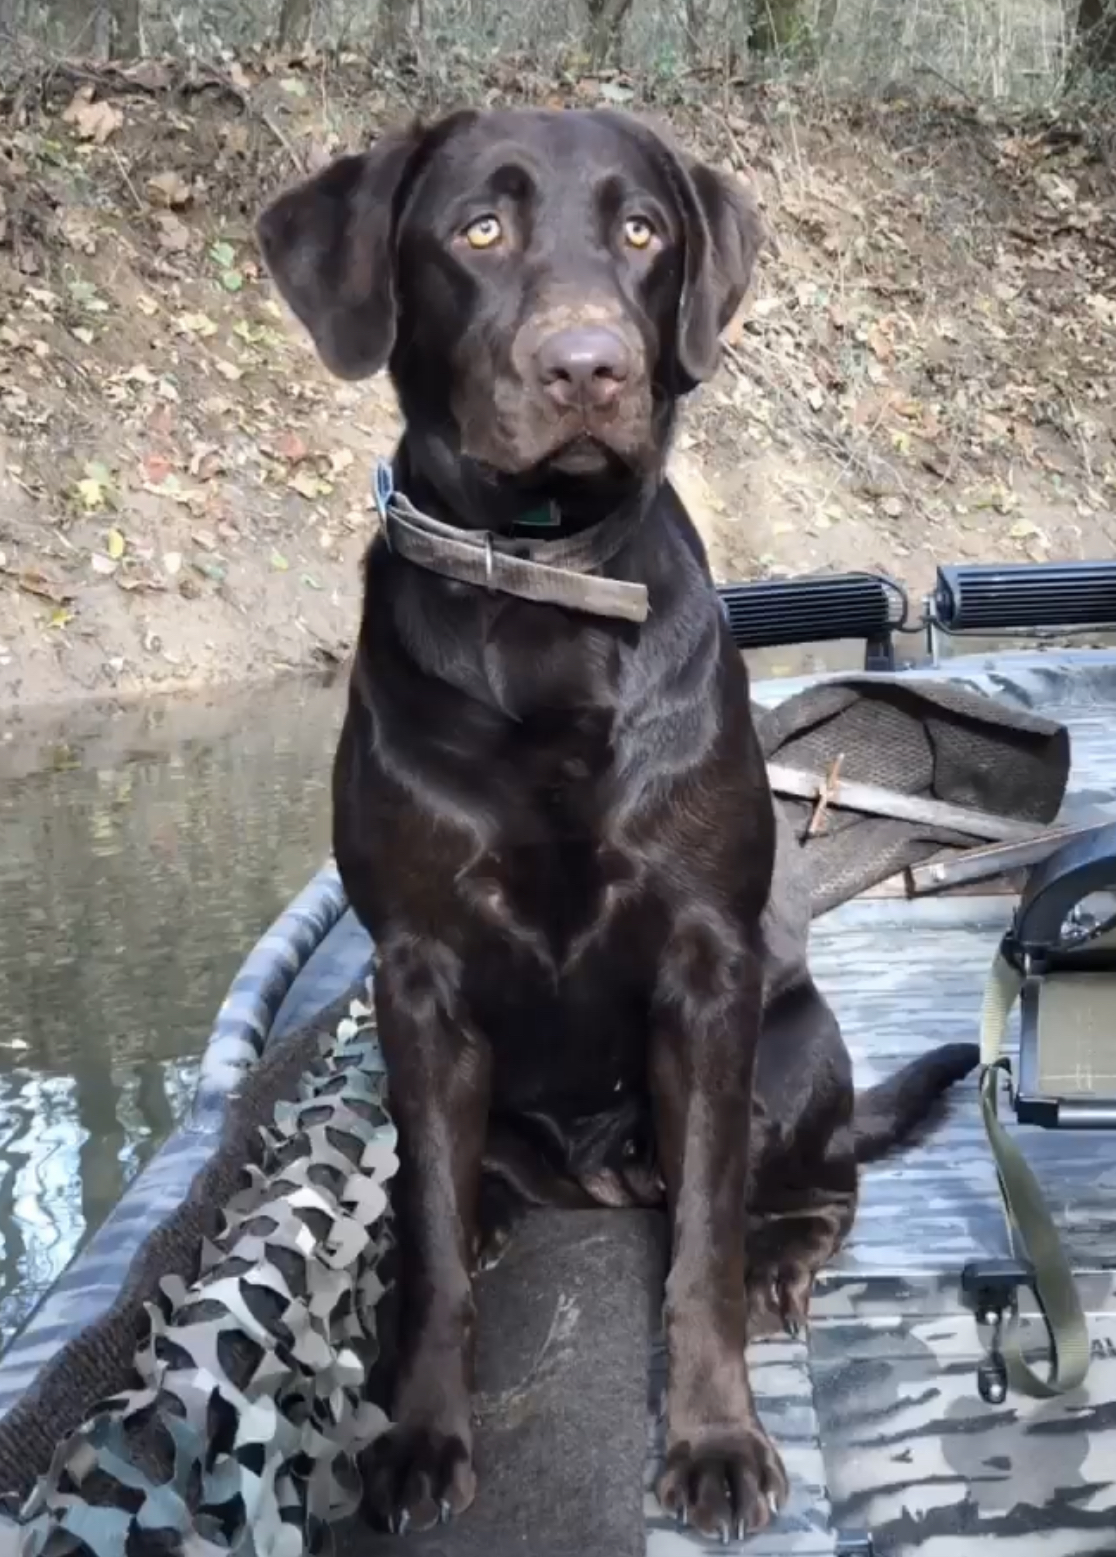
column 558, row 572
column 1030, row 1226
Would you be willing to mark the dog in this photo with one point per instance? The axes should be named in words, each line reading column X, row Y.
column 551, row 809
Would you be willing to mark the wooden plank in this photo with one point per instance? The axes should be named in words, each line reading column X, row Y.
column 899, row 887
column 995, row 860
column 874, row 800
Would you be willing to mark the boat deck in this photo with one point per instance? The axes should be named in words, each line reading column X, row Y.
column 878, row 1410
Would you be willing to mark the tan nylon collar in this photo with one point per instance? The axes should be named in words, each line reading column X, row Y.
column 560, row 572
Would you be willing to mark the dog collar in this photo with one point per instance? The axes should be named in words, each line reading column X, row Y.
column 556, row 572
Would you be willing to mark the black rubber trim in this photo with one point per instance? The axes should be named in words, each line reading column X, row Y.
column 1085, row 864
column 974, row 597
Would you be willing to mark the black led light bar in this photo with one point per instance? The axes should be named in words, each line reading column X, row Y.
column 820, row 608
column 1021, row 596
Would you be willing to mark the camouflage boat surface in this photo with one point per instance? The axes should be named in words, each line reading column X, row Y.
column 890, row 1447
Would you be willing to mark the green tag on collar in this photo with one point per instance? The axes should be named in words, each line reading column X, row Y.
column 545, row 518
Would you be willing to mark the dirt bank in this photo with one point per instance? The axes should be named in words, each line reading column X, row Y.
column 923, row 374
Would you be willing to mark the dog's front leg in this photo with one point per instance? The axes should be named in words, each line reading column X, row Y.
column 722, row 1474
column 421, row 1471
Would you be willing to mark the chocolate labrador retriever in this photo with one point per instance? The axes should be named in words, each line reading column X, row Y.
column 551, row 810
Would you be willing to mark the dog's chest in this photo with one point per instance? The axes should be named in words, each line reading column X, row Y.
column 558, row 976
column 554, row 875
column 556, row 928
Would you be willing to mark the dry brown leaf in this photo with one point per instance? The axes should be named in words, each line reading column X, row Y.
column 879, row 344
column 289, row 446
column 174, row 235
column 156, row 468
column 32, row 582
column 308, row 485
column 93, row 121
column 169, row 189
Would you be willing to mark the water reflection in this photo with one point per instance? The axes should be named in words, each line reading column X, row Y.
column 140, row 856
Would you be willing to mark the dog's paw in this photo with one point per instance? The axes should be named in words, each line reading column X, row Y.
column 779, row 1300
column 416, row 1478
column 726, row 1488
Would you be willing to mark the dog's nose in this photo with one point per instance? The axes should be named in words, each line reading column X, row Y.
column 583, row 365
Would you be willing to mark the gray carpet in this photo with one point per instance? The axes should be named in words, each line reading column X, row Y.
column 565, row 1322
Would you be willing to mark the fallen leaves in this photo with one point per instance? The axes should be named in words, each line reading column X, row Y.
column 169, row 190
column 33, row 581
column 309, row 485
column 290, row 446
column 171, row 487
column 93, row 119
column 946, row 378
column 223, row 256
column 94, row 488
column 195, row 324
column 174, row 235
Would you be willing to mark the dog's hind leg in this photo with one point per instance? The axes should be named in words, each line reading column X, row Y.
column 803, row 1192
column 516, row 1178
column 786, row 1251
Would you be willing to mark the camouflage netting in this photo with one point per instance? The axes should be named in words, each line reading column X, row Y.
column 250, row 1406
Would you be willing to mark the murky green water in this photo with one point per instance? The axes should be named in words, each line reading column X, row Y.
column 141, row 854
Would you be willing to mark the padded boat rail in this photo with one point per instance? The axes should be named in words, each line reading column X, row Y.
column 91, row 1284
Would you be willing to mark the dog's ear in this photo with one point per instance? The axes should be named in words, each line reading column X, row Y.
column 724, row 234
column 328, row 244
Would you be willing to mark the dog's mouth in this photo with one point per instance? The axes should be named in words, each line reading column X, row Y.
column 584, row 455
column 577, row 484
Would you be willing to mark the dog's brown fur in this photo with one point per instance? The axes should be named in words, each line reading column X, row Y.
column 556, row 827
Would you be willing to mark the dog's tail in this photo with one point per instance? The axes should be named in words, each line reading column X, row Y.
column 886, row 1114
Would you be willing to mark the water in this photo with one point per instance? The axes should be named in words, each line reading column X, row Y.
column 141, row 854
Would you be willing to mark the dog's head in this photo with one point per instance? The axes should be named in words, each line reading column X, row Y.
column 543, row 284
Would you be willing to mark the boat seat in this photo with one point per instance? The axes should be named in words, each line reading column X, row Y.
column 565, row 1321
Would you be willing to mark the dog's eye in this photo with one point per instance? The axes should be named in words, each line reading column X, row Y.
column 484, row 233
column 638, row 232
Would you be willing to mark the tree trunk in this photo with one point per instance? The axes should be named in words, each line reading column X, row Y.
column 126, row 40
column 1096, row 35
column 605, row 21
column 393, row 26
column 294, row 23
column 778, row 27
